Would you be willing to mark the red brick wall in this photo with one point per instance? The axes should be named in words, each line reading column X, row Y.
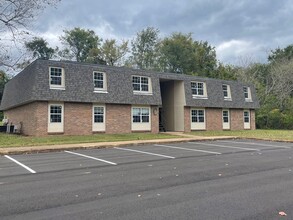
column 187, row 119
column 118, row 118
column 155, row 119
column 237, row 122
column 33, row 117
column 252, row 119
column 77, row 118
column 213, row 119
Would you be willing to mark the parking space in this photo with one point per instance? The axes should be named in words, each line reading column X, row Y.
column 66, row 160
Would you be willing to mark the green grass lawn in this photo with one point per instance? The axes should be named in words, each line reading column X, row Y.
column 11, row 140
column 282, row 135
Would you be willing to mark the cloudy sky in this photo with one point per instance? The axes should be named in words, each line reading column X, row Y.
column 238, row 29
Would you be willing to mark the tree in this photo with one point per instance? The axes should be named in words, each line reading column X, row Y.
column 144, row 48
column 179, row 53
column 80, row 42
column 39, row 48
column 112, row 52
column 4, row 78
column 281, row 54
column 15, row 17
column 176, row 53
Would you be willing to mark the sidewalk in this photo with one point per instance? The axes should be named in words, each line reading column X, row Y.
column 48, row 148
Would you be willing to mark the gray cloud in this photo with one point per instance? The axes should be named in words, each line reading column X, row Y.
column 235, row 28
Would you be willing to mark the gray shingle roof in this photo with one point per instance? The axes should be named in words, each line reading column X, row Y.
column 32, row 84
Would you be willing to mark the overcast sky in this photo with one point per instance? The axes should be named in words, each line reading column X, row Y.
column 237, row 28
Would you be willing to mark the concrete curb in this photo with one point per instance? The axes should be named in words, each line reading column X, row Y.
column 52, row 148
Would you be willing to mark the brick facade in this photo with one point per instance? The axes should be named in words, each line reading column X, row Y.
column 187, row 122
column 252, row 119
column 118, row 119
column 155, row 119
column 33, row 117
column 213, row 119
column 77, row 118
column 237, row 122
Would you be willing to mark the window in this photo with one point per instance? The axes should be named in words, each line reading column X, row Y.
column 197, row 115
column 225, row 116
column 56, row 113
column 56, row 78
column 141, row 84
column 98, row 114
column 247, row 93
column 99, row 81
column 246, row 116
column 198, row 90
column 140, row 115
column 226, row 92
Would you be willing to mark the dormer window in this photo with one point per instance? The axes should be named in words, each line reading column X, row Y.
column 198, row 90
column 247, row 94
column 141, row 84
column 226, row 92
column 100, row 84
column 57, row 78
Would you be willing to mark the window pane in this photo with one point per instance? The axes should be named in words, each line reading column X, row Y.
column 200, row 92
column 55, row 80
column 136, row 79
column 145, row 111
column 99, row 84
column 194, row 119
column 99, row 118
column 201, row 119
column 55, row 113
column 145, row 118
column 136, row 119
column 136, row 87
column 136, row 111
column 144, row 88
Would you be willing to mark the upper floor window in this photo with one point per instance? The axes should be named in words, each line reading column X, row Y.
column 247, row 94
column 226, row 92
column 141, row 84
column 198, row 89
column 56, row 78
column 99, row 81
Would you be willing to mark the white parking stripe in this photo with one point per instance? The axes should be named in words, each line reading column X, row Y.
column 144, row 152
column 216, row 145
column 252, row 143
column 182, row 148
column 20, row 164
column 94, row 158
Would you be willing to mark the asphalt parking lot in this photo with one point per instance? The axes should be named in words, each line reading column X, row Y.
column 225, row 179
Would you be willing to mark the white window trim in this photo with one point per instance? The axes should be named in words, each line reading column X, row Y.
column 141, row 126
column 205, row 95
column 149, row 92
column 56, row 127
column 229, row 97
column 249, row 99
column 98, row 126
column 59, row 87
column 198, row 125
column 104, row 89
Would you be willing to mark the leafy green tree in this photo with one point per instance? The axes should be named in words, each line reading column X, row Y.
column 281, row 54
column 176, row 53
column 179, row 53
column 80, row 42
column 112, row 52
column 39, row 47
column 144, row 48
